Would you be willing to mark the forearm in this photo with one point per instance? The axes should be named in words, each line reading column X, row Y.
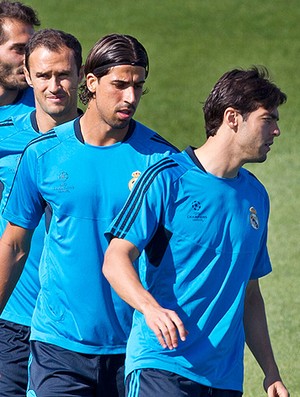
column 118, row 269
column 257, row 334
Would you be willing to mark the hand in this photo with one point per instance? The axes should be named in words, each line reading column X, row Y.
column 166, row 325
column 276, row 389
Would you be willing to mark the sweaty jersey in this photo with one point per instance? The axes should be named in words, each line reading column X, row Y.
column 203, row 238
column 24, row 103
column 15, row 134
column 85, row 186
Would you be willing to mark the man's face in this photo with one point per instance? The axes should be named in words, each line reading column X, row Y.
column 258, row 133
column 12, row 54
column 117, row 95
column 55, row 79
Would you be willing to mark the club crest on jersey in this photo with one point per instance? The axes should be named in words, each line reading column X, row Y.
column 134, row 178
column 254, row 218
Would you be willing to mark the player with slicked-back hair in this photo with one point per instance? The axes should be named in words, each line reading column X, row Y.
column 17, row 22
column 84, row 171
column 113, row 49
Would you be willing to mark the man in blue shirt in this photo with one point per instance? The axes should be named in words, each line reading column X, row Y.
column 83, row 171
column 16, row 27
column 53, row 68
column 198, row 222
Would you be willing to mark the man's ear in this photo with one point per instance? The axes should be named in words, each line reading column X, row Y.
column 231, row 118
column 81, row 73
column 91, row 82
column 27, row 76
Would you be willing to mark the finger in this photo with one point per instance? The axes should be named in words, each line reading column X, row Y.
column 171, row 329
column 177, row 328
column 166, row 336
column 160, row 337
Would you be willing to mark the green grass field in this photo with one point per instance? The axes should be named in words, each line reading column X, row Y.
column 191, row 44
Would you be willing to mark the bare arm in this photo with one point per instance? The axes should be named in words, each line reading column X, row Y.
column 118, row 269
column 14, row 249
column 258, row 340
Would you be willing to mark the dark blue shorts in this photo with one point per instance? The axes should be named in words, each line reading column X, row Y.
column 159, row 383
column 14, row 353
column 54, row 371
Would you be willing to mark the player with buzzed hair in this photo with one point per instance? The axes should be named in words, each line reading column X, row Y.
column 53, row 69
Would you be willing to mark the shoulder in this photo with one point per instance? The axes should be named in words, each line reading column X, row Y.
column 17, row 129
column 7, row 129
column 166, row 172
column 42, row 144
column 151, row 140
column 52, row 139
column 253, row 182
column 6, row 123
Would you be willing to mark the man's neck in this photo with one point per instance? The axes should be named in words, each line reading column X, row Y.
column 46, row 122
column 97, row 133
column 8, row 97
column 217, row 159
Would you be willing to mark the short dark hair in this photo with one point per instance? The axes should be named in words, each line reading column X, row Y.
column 112, row 50
column 54, row 40
column 18, row 11
column 245, row 91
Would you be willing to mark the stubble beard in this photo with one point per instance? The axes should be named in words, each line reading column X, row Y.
column 11, row 78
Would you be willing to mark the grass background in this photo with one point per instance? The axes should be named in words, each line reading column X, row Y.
column 191, row 43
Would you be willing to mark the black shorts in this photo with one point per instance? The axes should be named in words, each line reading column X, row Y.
column 14, row 353
column 158, row 383
column 54, row 371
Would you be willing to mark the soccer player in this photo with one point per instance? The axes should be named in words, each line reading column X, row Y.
column 17, row 23
column 200, row 220
column 53, row 68
column 83, row 170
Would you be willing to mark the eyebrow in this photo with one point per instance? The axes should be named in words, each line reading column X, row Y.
column 126, row 81
column 273, row 116
column 15, row 45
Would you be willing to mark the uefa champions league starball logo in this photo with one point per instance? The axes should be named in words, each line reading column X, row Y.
column 196, row 205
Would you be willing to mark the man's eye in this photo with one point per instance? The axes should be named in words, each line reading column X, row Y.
column 20, row 50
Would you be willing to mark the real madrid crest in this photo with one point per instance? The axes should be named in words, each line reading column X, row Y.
column 132, row 181
column 254, row 218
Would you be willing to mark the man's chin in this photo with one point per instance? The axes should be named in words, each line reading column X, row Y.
column 22, row 85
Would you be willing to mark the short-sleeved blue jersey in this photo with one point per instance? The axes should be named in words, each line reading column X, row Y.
column 24, row 103
column 85, row 186
column 202, row 238
column 15, row 134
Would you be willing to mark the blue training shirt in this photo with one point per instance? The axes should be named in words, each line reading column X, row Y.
column 85, row 186
column 24, row 103
column 202, row 238
column 15, row 134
